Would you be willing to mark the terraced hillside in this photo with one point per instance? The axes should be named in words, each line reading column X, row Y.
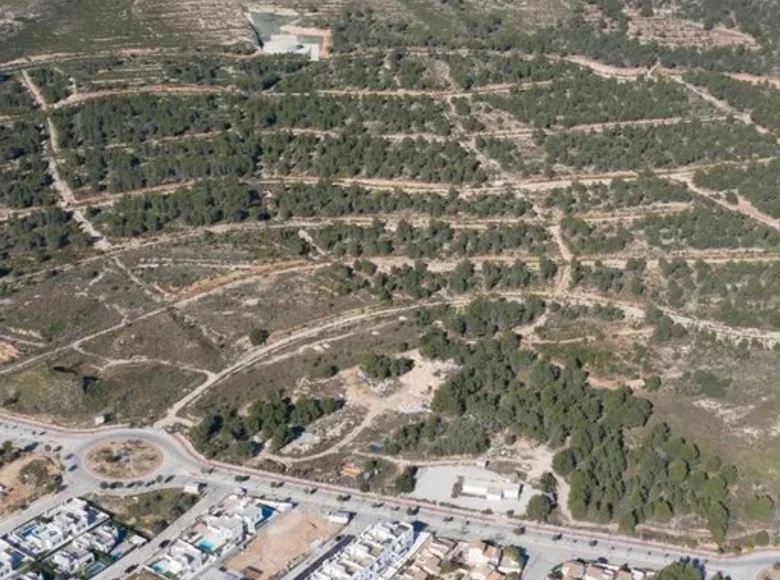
column 556, row 247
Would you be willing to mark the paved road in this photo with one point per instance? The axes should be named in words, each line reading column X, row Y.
column 182, row 462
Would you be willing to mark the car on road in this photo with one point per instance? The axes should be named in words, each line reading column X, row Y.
column 557, row 537
column 593, row 543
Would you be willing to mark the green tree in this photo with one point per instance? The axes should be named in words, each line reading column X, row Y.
column 406, row 482
column 684, row 570
column 258, row 336
column 539, row 508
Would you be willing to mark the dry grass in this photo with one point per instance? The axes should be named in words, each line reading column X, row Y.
column 124, row 459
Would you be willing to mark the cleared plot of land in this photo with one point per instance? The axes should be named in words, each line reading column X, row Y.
column 281, row 544
column 149, row 513
column 25, row 480
column 124, row 459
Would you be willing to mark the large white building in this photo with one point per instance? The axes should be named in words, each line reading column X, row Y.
column 376, row 549
column 491, row 490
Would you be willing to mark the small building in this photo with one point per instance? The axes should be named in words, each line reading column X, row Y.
column 181, row 560
column 73, row 558
column 596, row 572
column 194, row 488
column 479, row 554
column 491, row 490
column 290, row 44
column 572, row 570
column 351, row 469
column 341, row 518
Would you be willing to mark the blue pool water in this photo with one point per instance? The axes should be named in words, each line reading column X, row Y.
column 205, row 546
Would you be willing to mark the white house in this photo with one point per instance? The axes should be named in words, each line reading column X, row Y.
column 181, row 560
column 372, row 552
column 73, row 557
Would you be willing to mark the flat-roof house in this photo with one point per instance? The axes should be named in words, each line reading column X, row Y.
column 572, row 570
column 372, row 552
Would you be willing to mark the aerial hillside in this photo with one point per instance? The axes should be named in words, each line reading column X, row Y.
column 385, row 234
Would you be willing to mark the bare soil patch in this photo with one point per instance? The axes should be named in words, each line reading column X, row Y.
column 21, row 486
column 282, row 544
column 124, row 459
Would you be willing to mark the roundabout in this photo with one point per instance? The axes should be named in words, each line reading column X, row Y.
column 123, row 459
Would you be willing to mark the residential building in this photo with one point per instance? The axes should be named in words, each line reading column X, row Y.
column 479, row 554
column 104, row 537
column 11, row 560
column 581, row 570
column 181, row 560
column 429, row 557
column 73, row 558
column 596, row 572
column 56, row 527
column 572, row 570
column 372, row 552
column 230, row 523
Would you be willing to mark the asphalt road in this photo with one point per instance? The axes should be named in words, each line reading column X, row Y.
column 546, row 545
